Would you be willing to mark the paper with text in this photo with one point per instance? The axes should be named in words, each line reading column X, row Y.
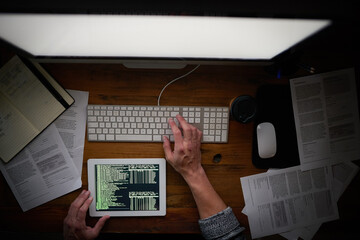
column 51, row 165
column 326, row 118
column 41, row 172
column 288, row 199
column 343, row 173
column 71, row 126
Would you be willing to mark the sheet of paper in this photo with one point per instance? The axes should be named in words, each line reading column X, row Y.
column 288, row 199
column 306, row 233
column 326, row 118
column 71, row 126
column 41, row 172
column 343, row 173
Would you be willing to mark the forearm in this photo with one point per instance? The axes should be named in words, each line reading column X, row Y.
column 217, row 221
column 206, row 198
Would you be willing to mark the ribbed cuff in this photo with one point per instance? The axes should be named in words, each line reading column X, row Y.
column 223, row 225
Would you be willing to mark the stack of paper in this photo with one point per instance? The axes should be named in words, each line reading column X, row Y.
column 51, row 165
column 295, row 201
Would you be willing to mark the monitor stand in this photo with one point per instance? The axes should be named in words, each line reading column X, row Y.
column 154, row 65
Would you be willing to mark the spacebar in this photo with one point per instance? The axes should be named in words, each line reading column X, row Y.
column 133, row 137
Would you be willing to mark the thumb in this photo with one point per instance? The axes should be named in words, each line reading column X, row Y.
column 167, row 148
column 100, row 224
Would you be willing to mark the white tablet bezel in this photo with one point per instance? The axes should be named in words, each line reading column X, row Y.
column 162, row 186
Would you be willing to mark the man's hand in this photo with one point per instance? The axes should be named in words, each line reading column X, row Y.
column 186, row 157
column 75, row 224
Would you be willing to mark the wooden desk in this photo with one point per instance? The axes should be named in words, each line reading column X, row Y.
column 114, row 84
column 208, row 85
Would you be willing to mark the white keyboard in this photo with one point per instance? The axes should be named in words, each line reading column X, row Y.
column 128, row 123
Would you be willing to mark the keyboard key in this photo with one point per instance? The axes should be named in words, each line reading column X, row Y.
column 93, row 124
column 110, row 137
column 157, row 138
column 92, row 137
column 208, row 138
column 132, row 138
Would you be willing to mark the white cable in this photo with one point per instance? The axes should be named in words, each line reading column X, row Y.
column 172, row 81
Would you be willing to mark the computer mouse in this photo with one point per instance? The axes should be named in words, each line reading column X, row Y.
column 266, row 139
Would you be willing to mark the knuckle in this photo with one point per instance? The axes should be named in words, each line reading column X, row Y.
column 74, row 205
column 187, row 130
column 181, row 149
column 67, row 222
column 194, row 130
column 176, row 131
column 82, row 210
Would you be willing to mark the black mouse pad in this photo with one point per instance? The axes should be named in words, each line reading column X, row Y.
column 274, row 106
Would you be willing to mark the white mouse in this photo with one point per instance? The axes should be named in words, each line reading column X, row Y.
column 266, row 139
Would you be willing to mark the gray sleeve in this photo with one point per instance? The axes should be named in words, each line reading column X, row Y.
column 222, row 226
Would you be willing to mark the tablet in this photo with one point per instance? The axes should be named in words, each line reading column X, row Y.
column 127, row 187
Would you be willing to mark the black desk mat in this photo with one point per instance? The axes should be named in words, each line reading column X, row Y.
column 274, row 106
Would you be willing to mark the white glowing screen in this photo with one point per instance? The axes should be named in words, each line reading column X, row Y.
column 154, row 36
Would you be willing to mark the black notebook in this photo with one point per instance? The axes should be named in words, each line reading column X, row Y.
column 30, row 100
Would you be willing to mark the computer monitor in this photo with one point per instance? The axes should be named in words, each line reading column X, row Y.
column 144, row 39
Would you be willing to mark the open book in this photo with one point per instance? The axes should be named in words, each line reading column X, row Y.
column 30, row 100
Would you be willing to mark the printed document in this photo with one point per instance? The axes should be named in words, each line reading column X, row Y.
column 51, row 165
column 326, row 118
column 42, row 171
column 287, row 199
column 343, row 173
column 71, row 126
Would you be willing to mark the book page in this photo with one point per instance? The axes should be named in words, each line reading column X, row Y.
column 15, row 131
column 20, row 86
column 326, row 118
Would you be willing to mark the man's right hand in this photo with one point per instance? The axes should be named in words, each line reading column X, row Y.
column 186, row 157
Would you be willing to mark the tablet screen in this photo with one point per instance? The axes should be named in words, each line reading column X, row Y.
column 124, row 188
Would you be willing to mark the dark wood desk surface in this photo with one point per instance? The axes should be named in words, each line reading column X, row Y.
column 207, row 86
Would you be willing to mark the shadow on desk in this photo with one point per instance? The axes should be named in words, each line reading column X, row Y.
column 103, row 236
column 113, row 236
column 130, row 236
